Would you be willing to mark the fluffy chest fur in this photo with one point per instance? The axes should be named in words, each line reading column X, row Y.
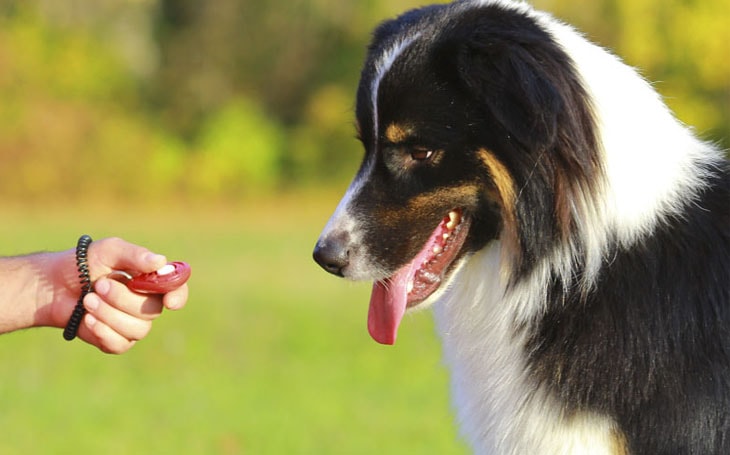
column 501, row 407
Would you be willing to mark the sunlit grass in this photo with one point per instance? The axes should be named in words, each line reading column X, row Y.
column 270, row 356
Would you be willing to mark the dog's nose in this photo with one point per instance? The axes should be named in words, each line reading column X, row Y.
column 332, row 253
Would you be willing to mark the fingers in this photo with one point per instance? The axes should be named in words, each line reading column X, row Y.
column 142, row 306
column 117, row 317
column 126, row 325
column 103, row 336
column 174, row 300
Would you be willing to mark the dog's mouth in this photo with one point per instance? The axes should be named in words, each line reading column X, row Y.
column 417, row 280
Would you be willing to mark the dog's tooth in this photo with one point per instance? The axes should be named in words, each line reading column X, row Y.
column 437, row 249
column 454, row 219
column 409, row 288
column 446, row 236
column 429, row 277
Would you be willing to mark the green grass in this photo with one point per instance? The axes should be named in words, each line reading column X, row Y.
column 270, row 356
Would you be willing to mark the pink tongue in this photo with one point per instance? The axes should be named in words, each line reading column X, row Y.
column 389, row 298
column 387, row 307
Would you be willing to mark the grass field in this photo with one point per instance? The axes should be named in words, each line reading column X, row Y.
column 270, row 356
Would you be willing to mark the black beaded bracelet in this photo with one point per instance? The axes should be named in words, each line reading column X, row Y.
column 82, row 264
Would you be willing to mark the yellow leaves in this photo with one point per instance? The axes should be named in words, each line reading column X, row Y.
column 68, row 62
column 323, row 144
column 239, row 150
column 699, row 113
column 682, row 46
column 640, row 24
column 703, row 31
column 331, row 108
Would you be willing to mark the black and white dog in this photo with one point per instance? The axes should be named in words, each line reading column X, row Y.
column 572, row 237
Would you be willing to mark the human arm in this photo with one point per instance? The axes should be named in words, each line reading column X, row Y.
column 41, row 290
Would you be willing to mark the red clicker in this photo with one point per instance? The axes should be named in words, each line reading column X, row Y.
column 166, row 279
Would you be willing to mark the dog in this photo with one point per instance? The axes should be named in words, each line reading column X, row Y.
column 570, row 235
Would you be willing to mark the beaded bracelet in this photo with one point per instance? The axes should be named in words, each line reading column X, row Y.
column 82, row 264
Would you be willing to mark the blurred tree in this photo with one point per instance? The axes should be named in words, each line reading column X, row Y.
column 277, row 52
column 238, row 152
column 298, row 59
column 212, row 51
column 56, row 86
column 220, row 98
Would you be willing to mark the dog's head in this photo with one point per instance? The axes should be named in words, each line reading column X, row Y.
column 475, row 128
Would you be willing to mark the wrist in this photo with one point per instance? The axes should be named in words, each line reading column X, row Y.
column 56, row 290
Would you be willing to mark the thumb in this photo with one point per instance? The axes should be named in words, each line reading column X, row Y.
column 117, row 254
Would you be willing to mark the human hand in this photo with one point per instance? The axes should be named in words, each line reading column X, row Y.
column 116, row 317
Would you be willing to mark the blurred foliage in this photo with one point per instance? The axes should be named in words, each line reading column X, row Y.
column 120, row 98
column 682, row 46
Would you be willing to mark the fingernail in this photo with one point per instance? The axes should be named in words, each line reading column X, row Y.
column 102, row 287
column 91, row 302
column 155, row 258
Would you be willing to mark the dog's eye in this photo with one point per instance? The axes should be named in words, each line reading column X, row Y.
column 421, row 154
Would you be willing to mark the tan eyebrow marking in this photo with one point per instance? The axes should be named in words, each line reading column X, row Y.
column 397, row 134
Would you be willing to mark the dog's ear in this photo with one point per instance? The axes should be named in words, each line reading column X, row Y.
column 512, row 76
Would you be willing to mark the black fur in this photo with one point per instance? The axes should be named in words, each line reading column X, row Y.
column 650, row 346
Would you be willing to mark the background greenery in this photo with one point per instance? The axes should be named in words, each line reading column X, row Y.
column 220, row 133
column 234, row 98
column 270, row 356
